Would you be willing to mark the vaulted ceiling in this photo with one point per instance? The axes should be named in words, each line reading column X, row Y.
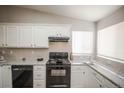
column 82, row 12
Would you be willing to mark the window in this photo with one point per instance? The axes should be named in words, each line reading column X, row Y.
column 82, row 42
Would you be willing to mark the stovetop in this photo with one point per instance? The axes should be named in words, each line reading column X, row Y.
column 58, row 61
column 58, row 58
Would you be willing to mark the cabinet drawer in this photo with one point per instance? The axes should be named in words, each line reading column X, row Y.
column 39, row 84
column 39, row 68
column 39, row 75
column 79, row 68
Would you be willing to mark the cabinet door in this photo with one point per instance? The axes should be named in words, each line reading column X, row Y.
column 77, row 80
column 2, row 35
column 91, row 81
column 40, row 37
column 0, row 77
column 25, row 36
column 65, row 31
column 12, row 36
column 39, row 84
column 6, row 76
column 81, row 77
column 60, row 31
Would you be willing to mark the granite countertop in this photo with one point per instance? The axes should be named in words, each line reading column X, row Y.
column 19, row 62
column 79, row 63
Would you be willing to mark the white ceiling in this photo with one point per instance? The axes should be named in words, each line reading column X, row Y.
column 83, row 12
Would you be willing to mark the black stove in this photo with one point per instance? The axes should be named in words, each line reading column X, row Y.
column 58, row 70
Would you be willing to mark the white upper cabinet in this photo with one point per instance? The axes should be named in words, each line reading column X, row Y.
column 30, row 35
column 12, row 36
column 25, row 36
column 65, row 31
column 40, row 34
column 59, row 30
column 2, row 35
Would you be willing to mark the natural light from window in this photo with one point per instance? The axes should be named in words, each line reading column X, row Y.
column 82, row 42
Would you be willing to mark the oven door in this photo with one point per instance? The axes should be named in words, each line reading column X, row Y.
column 57, row 72
column 58, row 76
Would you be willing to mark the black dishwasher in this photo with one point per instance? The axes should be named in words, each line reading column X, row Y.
column 22, row 76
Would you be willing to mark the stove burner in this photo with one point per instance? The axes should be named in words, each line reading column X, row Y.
column 58, row 58
column 59, row 61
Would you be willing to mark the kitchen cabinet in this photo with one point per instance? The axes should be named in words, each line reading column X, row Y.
column 39, row 78
column 40, row 34
column 25, row 36
column 6, row 76
column 12, row 36
column 63, row 30
column 30, row 35
column 33, row 36
column 2, row 35
column 0, row 77
column 81, row 77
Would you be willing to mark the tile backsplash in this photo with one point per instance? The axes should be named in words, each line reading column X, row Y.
column 17, row 54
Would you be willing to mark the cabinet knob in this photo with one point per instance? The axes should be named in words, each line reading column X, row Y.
column 3, row 45
column 9, row 68
column 83, row 72
column 6, row 44
column 100, row 85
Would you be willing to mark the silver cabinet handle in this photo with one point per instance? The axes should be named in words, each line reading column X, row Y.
column 9, row 68
column 6, row 44
column 3, row 45
column 100, row 85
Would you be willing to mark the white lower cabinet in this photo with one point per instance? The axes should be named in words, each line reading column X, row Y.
column 6, row 76
column 0, row 77
column 39, row 84
column 39, row 77
column 81, row 77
